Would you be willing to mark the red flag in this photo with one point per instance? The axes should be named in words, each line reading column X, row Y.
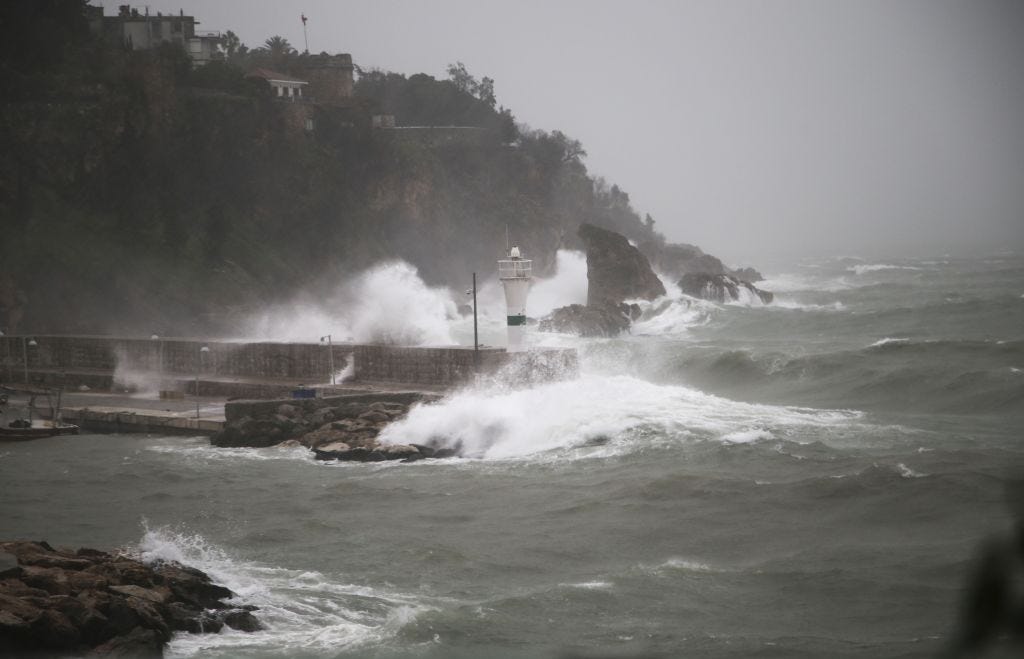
column 303, row 19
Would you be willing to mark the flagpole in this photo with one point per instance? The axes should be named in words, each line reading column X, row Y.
column 304, row 35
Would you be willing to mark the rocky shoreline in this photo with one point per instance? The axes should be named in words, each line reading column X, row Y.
column 66, row 602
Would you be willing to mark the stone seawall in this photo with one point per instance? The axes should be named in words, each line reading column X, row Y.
column 95, row 360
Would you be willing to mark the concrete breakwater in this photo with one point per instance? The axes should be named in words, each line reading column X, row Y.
column 146, row 368
column 99, row 362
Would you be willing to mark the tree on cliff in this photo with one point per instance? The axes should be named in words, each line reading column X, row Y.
column 482, row 90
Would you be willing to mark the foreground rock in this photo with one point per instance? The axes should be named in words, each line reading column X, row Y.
column 720, row 288
column 61, row 602
column 334, row 428
column 616, row 271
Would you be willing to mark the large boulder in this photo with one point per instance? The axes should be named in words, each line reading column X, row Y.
column 607, row 320
column 720, row 288
column 616, row 270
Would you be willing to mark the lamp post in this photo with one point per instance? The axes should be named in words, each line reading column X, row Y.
column 330, row 349
column 7, row 357
column 159, row 362
column 202, row 353
column 24, row 351
column 476, row 337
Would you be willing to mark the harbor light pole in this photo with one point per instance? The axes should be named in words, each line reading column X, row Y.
column 330, row 355
column 476, row 337
column 24, row 351
column 202, row 353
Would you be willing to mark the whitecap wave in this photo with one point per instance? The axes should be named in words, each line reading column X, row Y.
column 593, row 416
column 889, row 341
column 907, row 472
column 672, row 315
column 747, row 436
column 784, row 303
column 199, row 452
column 303, row 612
column 792, row 283
column 876, row 267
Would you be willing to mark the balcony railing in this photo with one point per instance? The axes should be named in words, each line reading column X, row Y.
column 514, row 268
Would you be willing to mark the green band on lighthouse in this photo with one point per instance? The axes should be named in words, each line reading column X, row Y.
column 514, row 321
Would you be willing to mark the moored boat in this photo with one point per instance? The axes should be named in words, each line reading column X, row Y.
column 34, row 428
column 25, row 430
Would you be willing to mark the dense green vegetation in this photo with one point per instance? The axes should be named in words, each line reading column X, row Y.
column 138, row 194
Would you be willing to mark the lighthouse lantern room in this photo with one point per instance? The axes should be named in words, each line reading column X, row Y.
column 515, row 276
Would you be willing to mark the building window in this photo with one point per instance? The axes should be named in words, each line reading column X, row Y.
column 309, row 124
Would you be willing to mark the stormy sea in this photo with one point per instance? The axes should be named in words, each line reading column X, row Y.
column 806, row 478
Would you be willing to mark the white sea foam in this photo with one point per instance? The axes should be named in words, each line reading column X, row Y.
column 876, row 267
column 672, row 316
column 198, row 452
column 889, row 341
column 601, row 411
column 747, row 436
column 589, row 585
column 304, row 612
column 748, row 298
column 907, row 472
column 791, row 283
column 784, row 303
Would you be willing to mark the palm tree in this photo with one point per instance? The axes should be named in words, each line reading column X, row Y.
column 278, row 48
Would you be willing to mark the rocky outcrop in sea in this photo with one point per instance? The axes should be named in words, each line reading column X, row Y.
column 720, row 288
column 605, row 319
column 677, row 259
column 65, row 602
column 334, row 428
column 616, row 270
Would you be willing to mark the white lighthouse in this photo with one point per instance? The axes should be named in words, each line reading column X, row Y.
column 514, row 273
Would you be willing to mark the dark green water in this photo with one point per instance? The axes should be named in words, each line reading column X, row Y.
column 730, row 481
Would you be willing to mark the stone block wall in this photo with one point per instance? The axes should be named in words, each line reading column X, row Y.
column 101, row 357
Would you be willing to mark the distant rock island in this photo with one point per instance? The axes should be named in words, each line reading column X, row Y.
column 618, row 272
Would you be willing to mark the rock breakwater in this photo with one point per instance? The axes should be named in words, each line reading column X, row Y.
column 334, row 428
column 61, row 602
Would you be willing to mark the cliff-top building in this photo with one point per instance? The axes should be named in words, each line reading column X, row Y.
column 140, row 31
column 282, row 85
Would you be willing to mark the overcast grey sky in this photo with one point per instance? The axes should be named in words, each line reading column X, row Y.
column 814, row 126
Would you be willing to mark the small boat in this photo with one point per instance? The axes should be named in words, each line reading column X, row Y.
column 30, row 428
column 23, row 429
